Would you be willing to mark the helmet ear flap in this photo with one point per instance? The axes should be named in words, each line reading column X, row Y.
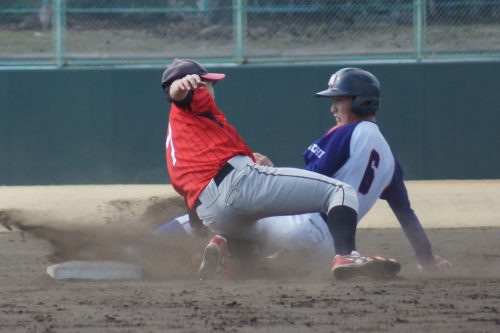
column 365, row 105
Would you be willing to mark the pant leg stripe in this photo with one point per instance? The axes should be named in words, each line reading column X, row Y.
column 303, row 177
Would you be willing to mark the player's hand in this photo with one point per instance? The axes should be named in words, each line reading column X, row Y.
column 439, row 264
column 189, row 82
column 262, row 160
column 180, row 88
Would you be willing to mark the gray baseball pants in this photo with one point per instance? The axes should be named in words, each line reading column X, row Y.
column 252, row 191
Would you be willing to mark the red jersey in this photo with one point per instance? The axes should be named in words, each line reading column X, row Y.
column 199, row 143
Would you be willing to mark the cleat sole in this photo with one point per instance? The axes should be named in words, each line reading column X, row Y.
column 211, row 265
column 375, row 269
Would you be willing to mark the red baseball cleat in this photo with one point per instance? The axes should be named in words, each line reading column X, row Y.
column 352, row 265
column 216, row 262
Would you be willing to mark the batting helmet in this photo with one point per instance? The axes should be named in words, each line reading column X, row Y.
column 358, row 83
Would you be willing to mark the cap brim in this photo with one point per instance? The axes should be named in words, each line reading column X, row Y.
column 213, row 76
column 331, row 93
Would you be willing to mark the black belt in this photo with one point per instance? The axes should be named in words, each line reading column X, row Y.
column 218, row 178
column 223, row 172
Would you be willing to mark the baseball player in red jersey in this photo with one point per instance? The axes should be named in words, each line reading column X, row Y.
column 214, row 170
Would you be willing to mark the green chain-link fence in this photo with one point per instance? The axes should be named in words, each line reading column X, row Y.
column 66, row 32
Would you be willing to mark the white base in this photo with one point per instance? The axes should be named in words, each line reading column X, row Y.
column 4, row 229
column 95, row 270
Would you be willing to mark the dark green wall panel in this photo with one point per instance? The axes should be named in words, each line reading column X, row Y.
column 462, row 123
column 5, row 122
column 92, row 125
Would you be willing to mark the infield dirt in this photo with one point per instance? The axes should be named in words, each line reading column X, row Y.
column 51, row 224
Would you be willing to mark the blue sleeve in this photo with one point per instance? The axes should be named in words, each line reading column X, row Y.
column 180, row 227
column 397, row 198
column 172, row 228
column 330, row 152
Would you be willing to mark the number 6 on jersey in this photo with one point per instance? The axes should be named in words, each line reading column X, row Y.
column 369, row 174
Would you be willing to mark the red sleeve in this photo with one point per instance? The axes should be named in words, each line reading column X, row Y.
column 202, row 101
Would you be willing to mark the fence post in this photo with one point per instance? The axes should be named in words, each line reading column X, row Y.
column 59, row 31
column 205, row 5
column 419, row 28
column 240, row 29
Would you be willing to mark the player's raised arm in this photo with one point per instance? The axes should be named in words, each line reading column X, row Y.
column 184, row 76
column 181, row 87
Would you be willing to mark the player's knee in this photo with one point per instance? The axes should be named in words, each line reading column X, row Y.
column 344, row 195
column 351, row 197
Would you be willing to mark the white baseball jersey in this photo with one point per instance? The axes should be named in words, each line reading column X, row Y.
column 358, row 155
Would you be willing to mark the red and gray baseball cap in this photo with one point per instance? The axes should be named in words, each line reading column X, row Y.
column 182, row 67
